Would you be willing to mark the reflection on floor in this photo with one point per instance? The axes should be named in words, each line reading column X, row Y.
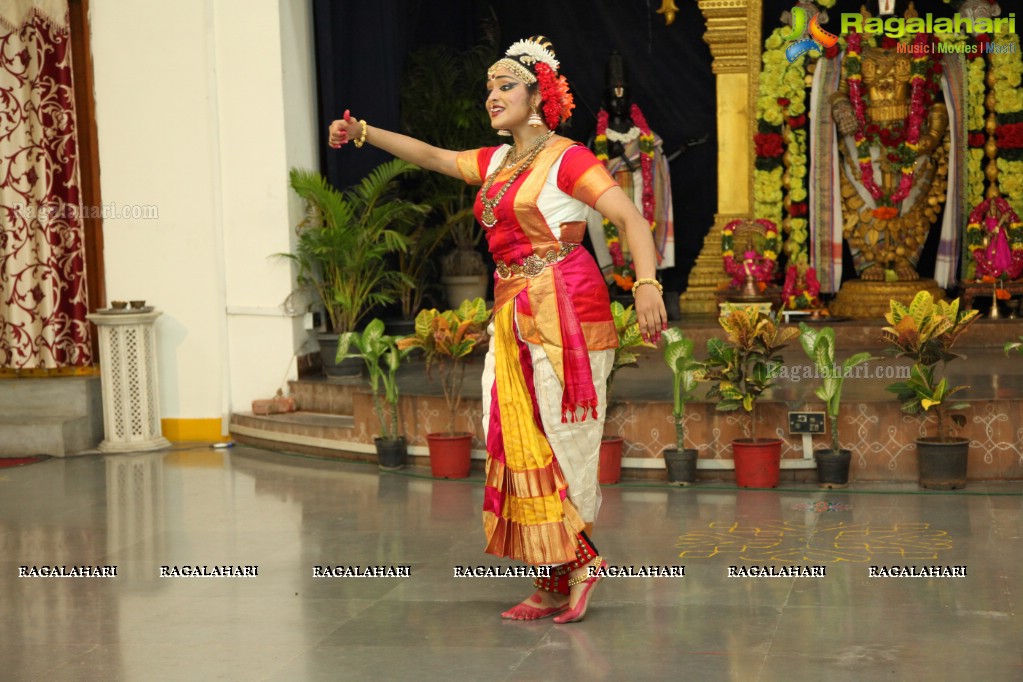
column 739, row 612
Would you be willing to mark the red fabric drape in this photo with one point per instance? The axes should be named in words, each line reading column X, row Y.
column 42, row 252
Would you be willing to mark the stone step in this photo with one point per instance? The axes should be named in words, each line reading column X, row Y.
column 326, row 397
column 328, row 435
column 24, row 435
column 71, row 396
column 57, row 416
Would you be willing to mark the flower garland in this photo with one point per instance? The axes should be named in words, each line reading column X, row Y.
column 780, row 170
column 899, row 142
column 1001, row 257
column 760, row 262
column 975, row 91
column 801, row 295
column 557, row 100
column 624, row 274
column 1007, row 63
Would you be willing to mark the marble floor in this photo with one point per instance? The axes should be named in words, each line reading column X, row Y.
column 286, row 515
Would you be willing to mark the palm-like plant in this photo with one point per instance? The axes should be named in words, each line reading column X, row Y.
column 443, row 104
column 344, row 241
column 447, row 339
column 925, row 332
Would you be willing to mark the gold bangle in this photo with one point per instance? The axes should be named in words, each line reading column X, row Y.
column 646, row 280
column 362, row 138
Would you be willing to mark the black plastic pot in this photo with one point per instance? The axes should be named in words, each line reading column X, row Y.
column 390, row 453
column 681, row 466
column 349, row 368
column 832, row 468
column 943, row 463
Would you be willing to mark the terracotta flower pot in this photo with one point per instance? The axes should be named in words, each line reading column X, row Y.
column 757, row 462
column 609, row 470
column 450, row 454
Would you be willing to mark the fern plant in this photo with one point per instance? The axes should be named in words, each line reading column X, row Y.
column 344, row 242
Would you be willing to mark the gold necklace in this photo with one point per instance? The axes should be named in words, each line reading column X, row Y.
column 489, row 217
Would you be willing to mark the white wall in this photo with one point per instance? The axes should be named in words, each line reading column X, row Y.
column 201, row 107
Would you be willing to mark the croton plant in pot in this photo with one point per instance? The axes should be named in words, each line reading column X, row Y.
column 925, row 332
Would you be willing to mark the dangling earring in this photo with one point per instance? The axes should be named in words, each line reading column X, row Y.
column 534, row 119
column 504, row 133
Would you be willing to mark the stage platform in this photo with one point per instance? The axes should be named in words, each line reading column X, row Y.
column 335, row 418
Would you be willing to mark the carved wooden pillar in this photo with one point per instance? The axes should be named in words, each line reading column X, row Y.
column 733, row 34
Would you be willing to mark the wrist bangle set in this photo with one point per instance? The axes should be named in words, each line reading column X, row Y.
column 646, row 280
column 362, row 138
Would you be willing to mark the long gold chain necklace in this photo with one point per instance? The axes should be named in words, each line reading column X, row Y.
column 489, row 217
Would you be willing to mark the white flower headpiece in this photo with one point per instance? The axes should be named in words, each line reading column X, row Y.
column 532, row 51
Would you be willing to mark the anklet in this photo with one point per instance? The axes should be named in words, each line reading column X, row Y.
column 586, row 576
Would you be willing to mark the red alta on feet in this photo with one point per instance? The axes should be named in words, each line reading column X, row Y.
column 524, row 611
column 576, row 614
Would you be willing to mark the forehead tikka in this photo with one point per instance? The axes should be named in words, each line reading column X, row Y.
column 517, row 69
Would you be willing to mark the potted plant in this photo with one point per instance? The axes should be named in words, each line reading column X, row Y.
column 383, row 358
column 686, row 372
column 416, row 264
column 343, row 244
column 925, row 333
column 609, row 469
column 447, row 339
column 742, row 368
column 442, row 106
column 819, row 346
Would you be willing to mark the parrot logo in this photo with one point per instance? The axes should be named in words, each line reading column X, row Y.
column 818, row 39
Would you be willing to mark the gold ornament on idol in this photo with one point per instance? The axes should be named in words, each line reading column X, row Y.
column 489, row 217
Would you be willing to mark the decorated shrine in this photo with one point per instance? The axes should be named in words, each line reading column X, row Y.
column 884, row 150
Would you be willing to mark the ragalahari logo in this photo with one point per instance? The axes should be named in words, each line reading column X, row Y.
column 807, row 38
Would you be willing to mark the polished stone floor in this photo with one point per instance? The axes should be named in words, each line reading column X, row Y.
column 194, row 506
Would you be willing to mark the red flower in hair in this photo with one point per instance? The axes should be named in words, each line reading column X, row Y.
column 557, row 100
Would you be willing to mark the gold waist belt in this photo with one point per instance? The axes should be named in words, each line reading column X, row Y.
column 533, row 265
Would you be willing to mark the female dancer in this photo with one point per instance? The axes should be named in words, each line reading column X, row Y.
column 552, row 336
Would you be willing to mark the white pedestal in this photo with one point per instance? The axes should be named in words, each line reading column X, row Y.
column 127, row 363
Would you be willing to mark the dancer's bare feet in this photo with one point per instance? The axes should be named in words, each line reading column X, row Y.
column 540, row 604
column 581, row 583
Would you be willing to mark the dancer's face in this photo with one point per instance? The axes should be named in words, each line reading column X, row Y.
column 508, row 100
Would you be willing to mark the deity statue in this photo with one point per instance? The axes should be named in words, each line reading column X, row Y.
column 894, row 152
column 980, row 9
column 634, row 156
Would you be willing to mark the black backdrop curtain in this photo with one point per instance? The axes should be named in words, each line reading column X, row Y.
column 361, row 49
